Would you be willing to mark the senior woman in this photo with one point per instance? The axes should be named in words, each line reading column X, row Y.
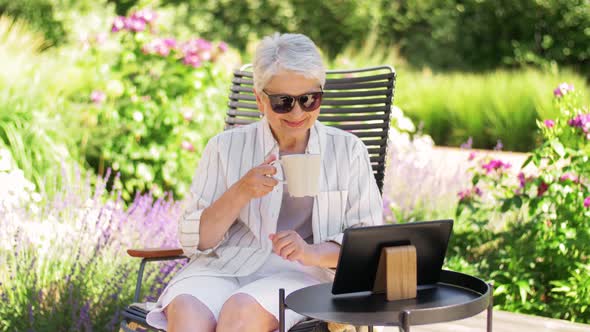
column 245, row 235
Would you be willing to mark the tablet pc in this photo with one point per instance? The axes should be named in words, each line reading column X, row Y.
column 361, row 249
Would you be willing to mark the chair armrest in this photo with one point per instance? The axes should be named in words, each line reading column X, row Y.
column 156, row 253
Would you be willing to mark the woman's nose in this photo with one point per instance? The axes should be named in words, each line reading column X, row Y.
column 297, row 111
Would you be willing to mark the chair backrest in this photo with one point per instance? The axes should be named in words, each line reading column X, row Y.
column 358, row 101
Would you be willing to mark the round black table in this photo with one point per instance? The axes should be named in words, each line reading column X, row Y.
column 455, row 296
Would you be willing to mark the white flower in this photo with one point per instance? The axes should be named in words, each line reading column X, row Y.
column 5, row 160
column 137, row 116
column 406, row 124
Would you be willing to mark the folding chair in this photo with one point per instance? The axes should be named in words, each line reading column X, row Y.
column 358, row 101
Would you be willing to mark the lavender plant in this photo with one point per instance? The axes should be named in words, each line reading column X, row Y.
column 539, row 259
column 63, row 265
column 418, row 186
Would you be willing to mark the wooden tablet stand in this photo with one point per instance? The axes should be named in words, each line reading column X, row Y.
column 397, row 273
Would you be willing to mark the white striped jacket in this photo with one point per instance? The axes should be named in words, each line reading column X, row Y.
column 348, row 196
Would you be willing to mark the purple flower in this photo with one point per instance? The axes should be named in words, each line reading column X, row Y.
column 468, row 144
column 563, row 89
column 581, row 121
column 542, row 188
column 587, row 202
column 98, row 97
column 472, row 156
column 499, row 146
column 495, row 164
column 118, row 24
column 521, row 179
column 549, row 123
column 186, row 145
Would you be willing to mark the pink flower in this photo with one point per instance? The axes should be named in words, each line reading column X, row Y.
column 135, row 24
column 549, row 123
column 495, row 164
column 100, row 38
column 469, row 193
column 568, row 177
column 472, row 156
column 186, row 145
column 563, row 89
column 196, row 46
column 146, row 15
column 98, row 97
column 187, row 115
column 118, row 24
column 222, row 47
column 192, row 60
column 587, row 202
column 170, row 42
column 156, row 46
column 465, row 194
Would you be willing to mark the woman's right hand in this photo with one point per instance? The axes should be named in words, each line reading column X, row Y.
column 258, row 181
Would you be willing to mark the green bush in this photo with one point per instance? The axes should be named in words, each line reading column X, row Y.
column 486, row 107
column 486, row 34
column 539, row 259
column 239, row 22
column 34, row 121
column 60, row 21
column 155, row 103
column 459, row 34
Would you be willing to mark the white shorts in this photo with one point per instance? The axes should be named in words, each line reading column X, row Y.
column 263, row 285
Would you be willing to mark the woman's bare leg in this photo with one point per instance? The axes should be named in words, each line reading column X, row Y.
column 187, row 314
column 243, row 313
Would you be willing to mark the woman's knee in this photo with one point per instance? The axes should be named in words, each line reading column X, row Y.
column 186, row 313
column 241, row 312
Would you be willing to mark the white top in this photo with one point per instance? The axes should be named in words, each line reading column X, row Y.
column 348, row 197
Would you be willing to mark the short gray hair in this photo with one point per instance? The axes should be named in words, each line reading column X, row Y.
column 292, row 52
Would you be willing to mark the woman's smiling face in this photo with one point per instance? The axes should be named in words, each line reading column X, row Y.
column 297, row 122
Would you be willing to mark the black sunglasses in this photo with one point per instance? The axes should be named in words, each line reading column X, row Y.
column 283, row 103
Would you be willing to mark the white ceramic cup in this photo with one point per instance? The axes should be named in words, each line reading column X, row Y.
column 301, row 172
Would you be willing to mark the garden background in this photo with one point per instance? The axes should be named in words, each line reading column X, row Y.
column 106, row 106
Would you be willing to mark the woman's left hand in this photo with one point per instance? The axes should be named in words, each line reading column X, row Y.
column 289, row 245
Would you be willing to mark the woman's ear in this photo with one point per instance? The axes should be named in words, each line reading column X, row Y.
column 259, row 102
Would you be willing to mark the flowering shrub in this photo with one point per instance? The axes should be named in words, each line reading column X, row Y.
column 62, row 266
column 537, row 257
column 156, row 102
